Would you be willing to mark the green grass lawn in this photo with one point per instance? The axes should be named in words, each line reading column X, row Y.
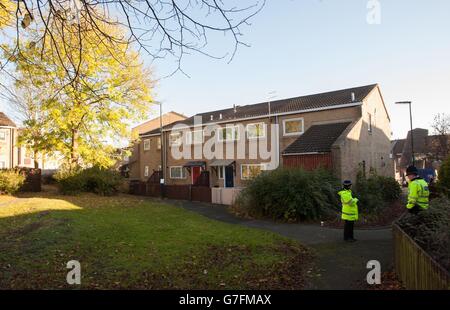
column 129, row 242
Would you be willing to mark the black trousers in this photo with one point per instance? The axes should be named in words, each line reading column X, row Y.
column 348, row 229
column 415, row 210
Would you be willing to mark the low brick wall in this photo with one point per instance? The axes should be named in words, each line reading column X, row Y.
column 224, row 196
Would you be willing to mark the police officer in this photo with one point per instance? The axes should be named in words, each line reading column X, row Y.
column 419, row 193
column 349, row 210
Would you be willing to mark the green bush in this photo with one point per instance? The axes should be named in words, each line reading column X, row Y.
column 289, row 194
column 443, row 185
column 376, row 192
column 95, row 180
column 11, row 181
column 431, row 230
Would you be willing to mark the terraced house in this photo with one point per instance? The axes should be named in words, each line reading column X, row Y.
column 344, row 131
column 12, row 155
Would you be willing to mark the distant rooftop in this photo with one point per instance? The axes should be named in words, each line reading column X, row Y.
column 6, row 121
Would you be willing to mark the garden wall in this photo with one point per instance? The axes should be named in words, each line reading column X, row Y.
column 178, row 192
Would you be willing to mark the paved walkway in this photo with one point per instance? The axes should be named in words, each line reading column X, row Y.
column 340, row 265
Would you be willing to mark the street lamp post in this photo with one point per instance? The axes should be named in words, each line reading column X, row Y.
column 411, row 124
column 162, row 180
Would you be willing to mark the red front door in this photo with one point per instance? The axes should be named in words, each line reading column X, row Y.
column 195, row 174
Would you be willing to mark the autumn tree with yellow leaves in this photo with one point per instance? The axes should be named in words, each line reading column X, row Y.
column 90, row 92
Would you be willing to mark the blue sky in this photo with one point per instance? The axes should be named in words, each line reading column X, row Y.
column 299, row 47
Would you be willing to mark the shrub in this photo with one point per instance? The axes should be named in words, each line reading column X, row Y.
column 376, row 192
column 443, row 185
column 11, row 181
column 431, row 230
column 95, row 180
column 289, row 194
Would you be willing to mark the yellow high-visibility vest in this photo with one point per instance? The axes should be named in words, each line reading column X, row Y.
column 349, row 205
column 419, row 194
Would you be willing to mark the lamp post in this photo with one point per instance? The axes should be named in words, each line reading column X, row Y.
column 162, row 180
column 411, row 124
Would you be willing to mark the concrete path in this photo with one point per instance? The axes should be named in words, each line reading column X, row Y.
column 340, row 265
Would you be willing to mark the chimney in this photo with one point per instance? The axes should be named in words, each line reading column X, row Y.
column 353, row 97
column 234, row 108
column 220, row 116
column 212, row 117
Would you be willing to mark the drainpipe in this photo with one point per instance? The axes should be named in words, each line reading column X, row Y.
column 11, row 164
column 277, row 144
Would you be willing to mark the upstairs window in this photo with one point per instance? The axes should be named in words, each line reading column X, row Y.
column 228, row 133
column 146, row 144
column 255, row 131
column 2, row 135
column 195, row 137
column 293, row 126
column 370, row 123
column 175, row 139
column 159, row 143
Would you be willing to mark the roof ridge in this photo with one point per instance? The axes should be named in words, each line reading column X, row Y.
column 278, row 101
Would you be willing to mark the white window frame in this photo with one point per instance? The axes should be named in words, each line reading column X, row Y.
column 183, row 174
column 190, row 137
column 2, row 164
column 293, row 120
column 179, row 139
column 221, row 169
column 158, row 143
column 257, row 137
column 2, row 135
column 146, row 144
column 235, row 129
column 146, row 171
column 263, row 167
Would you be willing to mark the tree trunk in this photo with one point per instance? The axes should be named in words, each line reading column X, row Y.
column 35, row 157
column 74, row 149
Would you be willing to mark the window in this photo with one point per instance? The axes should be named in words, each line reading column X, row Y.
column 146, row 171
column 221, row 170
column 293, row 126
column 370, row 123
column 2, row 135
column 249, row 171
column 2, row 165
column 175, row 139
column 146, row 144
column 158, row 141
column 195, row 137
column 177, row 172
column 228, row 133
column 255, row 131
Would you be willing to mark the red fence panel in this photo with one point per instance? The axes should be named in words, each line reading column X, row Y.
column 153, row 190
column 308, row 161
column 181, row 192
column 201, row 193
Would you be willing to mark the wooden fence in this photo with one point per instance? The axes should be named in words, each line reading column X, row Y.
column 179, row 192
column 415, row 268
